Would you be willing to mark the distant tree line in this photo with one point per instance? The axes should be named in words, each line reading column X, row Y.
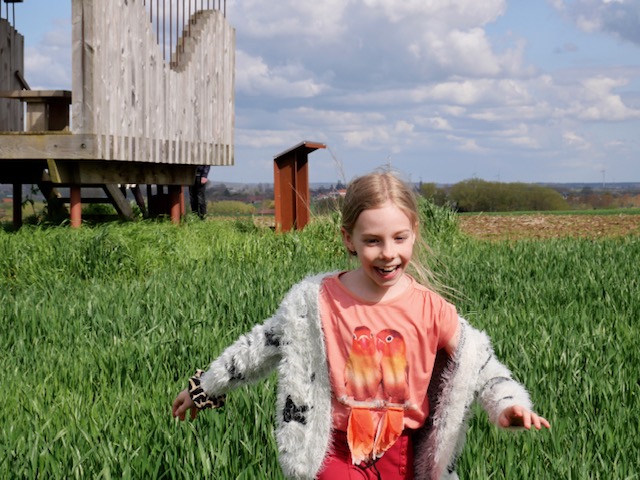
column 477, row 195
column 588, row 198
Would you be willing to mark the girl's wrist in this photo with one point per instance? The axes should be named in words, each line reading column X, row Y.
column 199, row 397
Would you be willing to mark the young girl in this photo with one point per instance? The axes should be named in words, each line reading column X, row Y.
column 377, row 373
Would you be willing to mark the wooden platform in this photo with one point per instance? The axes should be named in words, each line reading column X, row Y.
column 132, row 117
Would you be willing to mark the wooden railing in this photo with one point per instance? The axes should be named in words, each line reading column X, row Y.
column 172, row 21
column 11, row 17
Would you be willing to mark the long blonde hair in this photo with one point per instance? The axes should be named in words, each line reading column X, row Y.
column 372, row 191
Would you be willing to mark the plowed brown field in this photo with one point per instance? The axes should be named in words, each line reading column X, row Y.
column 540, row 226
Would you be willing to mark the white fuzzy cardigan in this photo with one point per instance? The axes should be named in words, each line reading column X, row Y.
column 293, row 342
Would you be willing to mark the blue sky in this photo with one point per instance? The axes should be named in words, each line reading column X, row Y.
column 441, row 90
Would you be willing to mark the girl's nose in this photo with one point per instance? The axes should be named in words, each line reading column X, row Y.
column 387, row 251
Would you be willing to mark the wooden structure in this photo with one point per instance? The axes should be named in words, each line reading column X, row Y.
column 136, row 118
column 291, row 186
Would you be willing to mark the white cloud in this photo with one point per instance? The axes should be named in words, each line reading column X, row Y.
column 600, row 103
column 45, row 70
column 455, row 12
column 266, row 138
column 291, row 19
column 362, row 138
column 48, row 63
column 435, row 123
column 403, row 127
column 255, row 77
column 574, row 140
column 465, row 52
column 332, row 119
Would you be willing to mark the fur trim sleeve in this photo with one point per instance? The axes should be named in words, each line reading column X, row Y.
column 496, row 387
column 250, row 358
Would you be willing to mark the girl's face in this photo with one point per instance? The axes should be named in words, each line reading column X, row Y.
column 383, row 240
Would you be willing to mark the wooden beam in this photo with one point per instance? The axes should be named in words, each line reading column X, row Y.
column 23, row 83
column 110, row 172
column 38, row 96
column 119, row 201
column 137, row 194
column 41, row 146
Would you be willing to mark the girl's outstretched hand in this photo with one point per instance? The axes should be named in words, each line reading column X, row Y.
column 181, row 404
column 518, row 416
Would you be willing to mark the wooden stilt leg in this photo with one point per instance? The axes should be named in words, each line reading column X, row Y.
column 75, row 206
column 17, row 205
column 174, row 203
column 137, row 193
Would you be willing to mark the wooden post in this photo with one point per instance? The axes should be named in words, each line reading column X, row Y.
column 291, row 186
column 17, row 205
column 174, row 202
column 137, row 193
column 75, row 206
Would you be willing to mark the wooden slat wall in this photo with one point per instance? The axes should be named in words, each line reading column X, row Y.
column 11, row 59
column 141, row 108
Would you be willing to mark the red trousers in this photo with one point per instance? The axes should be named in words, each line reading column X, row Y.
column 395, row 464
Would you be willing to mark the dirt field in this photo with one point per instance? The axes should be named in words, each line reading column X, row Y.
column 499, row 227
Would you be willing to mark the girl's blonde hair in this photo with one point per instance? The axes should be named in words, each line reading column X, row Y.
column 372, row 191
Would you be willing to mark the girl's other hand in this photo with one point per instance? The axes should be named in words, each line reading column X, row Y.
column 518, row 416
column 181, row 404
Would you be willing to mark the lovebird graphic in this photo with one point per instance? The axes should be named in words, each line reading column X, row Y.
column 362, row 381
column 395, row 387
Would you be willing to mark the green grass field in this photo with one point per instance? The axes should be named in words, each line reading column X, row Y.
column 102, row 326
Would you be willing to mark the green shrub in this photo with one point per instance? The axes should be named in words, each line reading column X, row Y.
column 230, row 207
column 477, row 195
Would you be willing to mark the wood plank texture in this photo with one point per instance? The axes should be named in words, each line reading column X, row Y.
column 67, row 172
column 11, row 61
column 137, row 105
column 20, row 145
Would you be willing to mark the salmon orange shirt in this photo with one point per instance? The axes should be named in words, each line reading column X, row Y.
column 382, row 354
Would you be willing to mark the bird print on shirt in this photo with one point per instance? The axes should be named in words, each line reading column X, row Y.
column 395, row 387
column 376, row 383
column 362, row 382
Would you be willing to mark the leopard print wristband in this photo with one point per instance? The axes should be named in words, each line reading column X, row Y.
column 200, row 399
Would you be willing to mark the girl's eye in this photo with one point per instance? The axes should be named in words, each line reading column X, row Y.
column 371, row 241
